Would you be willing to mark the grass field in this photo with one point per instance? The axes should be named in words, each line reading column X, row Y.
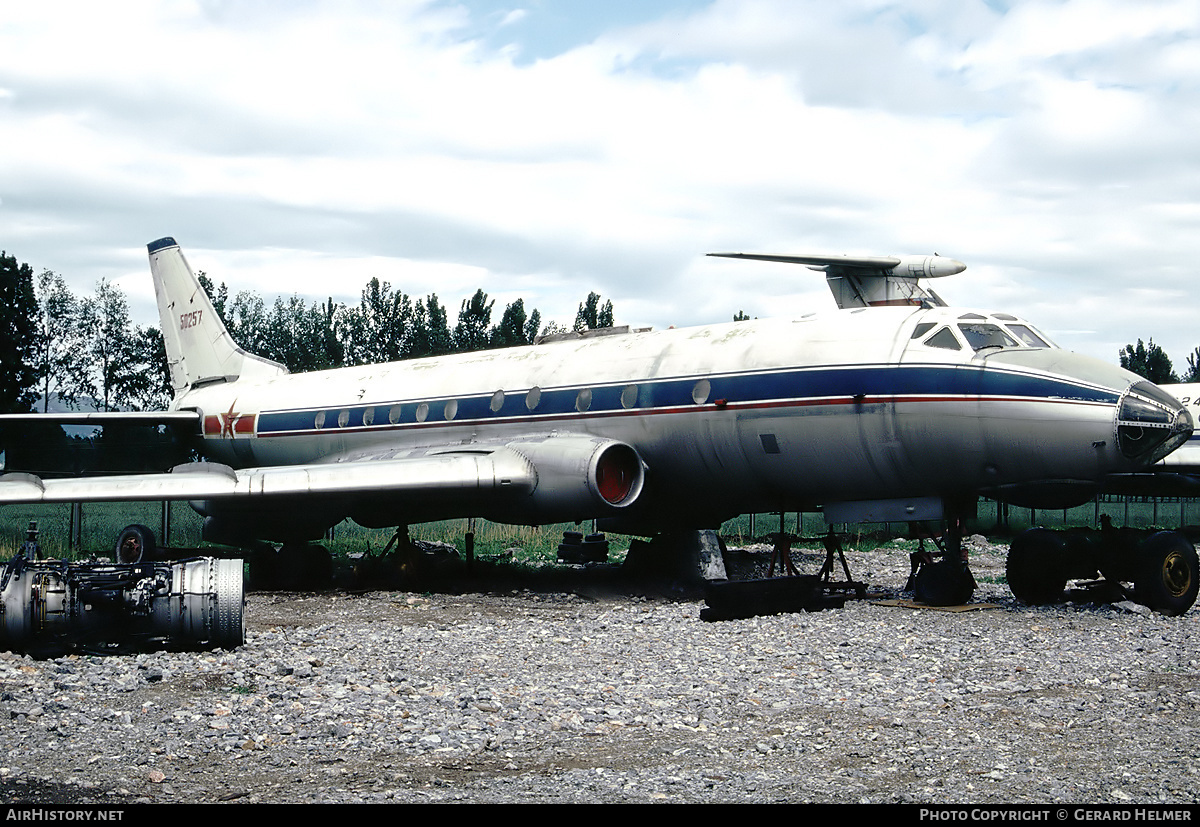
column 101, row 522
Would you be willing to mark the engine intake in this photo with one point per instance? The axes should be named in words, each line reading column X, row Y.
column 580, row 477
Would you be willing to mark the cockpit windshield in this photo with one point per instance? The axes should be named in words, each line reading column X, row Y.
column 998, row 330
column 1027, row 335
column 980, row 335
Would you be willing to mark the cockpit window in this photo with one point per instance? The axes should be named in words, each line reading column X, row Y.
column 944, row 338
column 986, row 335
column 922, row 329
column 1027, row 335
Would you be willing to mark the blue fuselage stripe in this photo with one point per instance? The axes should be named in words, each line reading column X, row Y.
column 760, row 389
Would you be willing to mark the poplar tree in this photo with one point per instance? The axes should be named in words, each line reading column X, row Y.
column 18, row 336
column 1149, row 361
column 61, row 358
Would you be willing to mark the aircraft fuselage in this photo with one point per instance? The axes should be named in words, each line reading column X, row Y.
column 845, row 406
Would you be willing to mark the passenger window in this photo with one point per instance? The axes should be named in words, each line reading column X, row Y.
column 944, row 339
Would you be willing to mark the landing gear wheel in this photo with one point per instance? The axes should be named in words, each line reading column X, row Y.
column 302, row 566
column 945, row 583
column 135, row 543
column 1036, row 567
column 316, row 567
column 264, row 568
column 1168, row 573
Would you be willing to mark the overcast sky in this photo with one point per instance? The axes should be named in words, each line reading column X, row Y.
column 545, row 148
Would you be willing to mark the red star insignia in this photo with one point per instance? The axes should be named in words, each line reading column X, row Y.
column 228, row 420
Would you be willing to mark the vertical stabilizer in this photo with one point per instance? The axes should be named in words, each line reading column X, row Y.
column 199, row 348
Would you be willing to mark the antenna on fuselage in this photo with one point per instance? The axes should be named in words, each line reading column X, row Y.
column 872, row 281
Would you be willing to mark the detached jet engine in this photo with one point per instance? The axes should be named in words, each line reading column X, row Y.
column 52, row 606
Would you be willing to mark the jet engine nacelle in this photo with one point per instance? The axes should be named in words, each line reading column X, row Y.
column 580, row 477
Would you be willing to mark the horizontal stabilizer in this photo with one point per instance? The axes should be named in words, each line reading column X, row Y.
column 871, row 281
column 857, row 262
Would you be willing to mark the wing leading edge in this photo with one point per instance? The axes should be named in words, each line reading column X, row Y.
column 101, row 418
column 533, row 479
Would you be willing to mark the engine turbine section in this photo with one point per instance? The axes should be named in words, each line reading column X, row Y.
column 51, row 607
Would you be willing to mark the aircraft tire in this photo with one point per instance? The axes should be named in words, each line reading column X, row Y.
column 147, row 544
column 595, row 549
column 1168, row 573
column 571, row 554
column 318, row 567
column 264, row 569
column 1036, row 567
column 945, row 583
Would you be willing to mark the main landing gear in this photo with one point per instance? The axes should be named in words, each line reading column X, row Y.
column 294, row 566
column 1157, row 569
column 946, row 581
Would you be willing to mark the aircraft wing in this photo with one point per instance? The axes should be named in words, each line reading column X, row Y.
column 540, row 478
column 100, row 418
column 213, row 481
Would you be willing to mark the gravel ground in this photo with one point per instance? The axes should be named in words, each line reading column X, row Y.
column 589, row 693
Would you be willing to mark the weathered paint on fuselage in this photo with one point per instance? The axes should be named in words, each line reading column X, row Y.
column 727, row 418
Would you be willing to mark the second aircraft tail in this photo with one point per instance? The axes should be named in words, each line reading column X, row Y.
column 199, row 348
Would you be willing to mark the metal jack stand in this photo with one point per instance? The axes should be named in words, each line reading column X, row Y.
column 783, row 553
column 833, row 546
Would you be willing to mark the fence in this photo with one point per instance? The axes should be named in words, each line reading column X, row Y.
column 992, row 518
column 94, row 526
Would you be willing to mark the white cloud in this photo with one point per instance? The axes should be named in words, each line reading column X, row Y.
column 307, row 147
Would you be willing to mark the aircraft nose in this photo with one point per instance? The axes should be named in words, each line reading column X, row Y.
column 1146, row 421
column 1151, row 423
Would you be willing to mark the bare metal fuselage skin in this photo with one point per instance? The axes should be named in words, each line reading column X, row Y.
column 844, row 406
column 872, row 412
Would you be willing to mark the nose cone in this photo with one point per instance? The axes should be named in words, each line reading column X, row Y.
column 1151, row 423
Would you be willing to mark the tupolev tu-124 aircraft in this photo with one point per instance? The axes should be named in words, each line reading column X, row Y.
column 892, row 407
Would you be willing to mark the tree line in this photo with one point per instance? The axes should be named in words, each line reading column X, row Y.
column 1151, row 362
column 86, row 351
